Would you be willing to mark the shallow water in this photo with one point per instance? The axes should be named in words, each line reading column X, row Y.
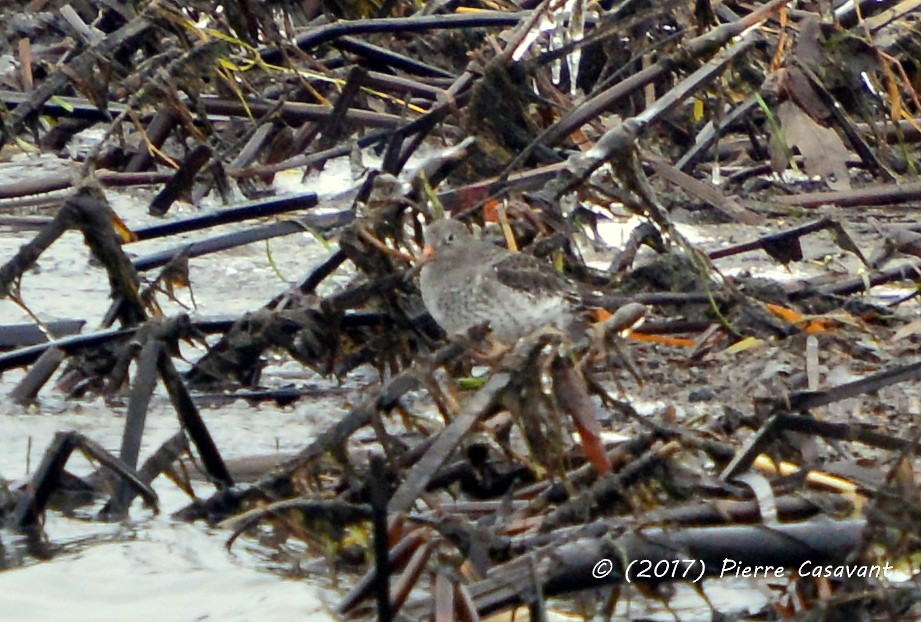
column 153, row 568
column 156, row 570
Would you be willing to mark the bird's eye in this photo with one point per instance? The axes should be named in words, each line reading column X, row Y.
column 450, row 238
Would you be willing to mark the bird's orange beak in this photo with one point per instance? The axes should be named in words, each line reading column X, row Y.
column 427, row 256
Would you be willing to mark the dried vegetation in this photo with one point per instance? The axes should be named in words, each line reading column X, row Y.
column 783, row 429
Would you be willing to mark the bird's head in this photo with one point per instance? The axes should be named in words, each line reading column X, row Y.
column 440, row 237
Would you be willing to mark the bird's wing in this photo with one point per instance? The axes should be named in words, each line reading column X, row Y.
column 528, row 274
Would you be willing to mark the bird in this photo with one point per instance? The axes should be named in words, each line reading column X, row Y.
column 466, row 281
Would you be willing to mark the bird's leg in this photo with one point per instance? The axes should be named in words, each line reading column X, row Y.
column 479, row 336
column 490, row 355
column 496, row 352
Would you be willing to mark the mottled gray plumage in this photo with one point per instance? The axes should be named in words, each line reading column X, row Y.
column 468, row 281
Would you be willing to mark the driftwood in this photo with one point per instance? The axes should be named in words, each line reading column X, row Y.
column 485, row 474
column 702, row 552
column 31, row 504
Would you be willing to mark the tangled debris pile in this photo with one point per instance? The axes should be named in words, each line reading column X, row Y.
column 558, row 117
